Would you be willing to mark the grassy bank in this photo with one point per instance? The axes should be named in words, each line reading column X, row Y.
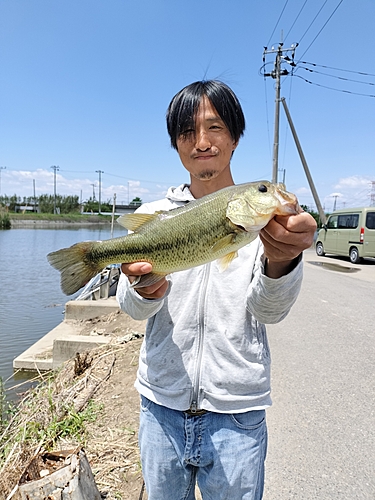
column 69, row 218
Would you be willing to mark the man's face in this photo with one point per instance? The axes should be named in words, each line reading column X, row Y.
column 206, row 149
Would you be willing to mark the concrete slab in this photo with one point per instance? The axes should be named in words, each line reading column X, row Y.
column 66, row 348
column 88, row 309
column 39, row 355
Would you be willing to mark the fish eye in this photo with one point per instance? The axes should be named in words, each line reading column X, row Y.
column 262, row 188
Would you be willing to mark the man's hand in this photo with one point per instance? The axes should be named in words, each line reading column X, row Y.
column 155, row 291
column 284, row 239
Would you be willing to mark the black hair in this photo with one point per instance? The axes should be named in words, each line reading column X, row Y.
column 184, row 106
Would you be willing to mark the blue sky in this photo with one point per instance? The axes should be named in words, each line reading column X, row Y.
column 84, row 85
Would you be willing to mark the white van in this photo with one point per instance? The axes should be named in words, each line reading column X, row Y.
column 349, row 232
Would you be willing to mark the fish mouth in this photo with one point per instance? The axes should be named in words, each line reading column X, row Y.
column 288, row 203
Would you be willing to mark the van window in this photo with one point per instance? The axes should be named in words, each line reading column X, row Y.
column 332, row 222
column 370, row 220
column 348, row 221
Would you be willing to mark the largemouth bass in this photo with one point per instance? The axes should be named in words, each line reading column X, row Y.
column 210, row 228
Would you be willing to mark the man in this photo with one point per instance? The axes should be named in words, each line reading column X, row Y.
column 204, row 370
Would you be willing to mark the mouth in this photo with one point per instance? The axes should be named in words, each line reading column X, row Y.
column 204, row 157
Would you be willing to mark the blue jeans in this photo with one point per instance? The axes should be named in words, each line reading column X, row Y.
column 223, row 453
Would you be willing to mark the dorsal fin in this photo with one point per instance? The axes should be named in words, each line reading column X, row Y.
column 135, row 221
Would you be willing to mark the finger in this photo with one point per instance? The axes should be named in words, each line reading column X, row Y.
column 136, row 268
column 278, row 251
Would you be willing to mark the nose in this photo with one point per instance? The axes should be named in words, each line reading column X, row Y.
column 202, row 140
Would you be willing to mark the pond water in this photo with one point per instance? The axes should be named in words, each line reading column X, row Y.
column 31, row 302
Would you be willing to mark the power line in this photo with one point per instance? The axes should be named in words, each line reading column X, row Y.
column 332, row 88
column 277, row 22
column 324, row 25
column 336, row 76
column 336, row 69
column 294, row 22
column 313, row 21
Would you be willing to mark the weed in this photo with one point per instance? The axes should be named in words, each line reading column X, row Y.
column 4, row 220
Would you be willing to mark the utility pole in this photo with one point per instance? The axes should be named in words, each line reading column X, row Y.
column 276, row 74
column 113, row 213
column 1, row 168
column 372, row 194
column 34, row 195
column 283, row 170
column 93, row 192
column 55, row 168
column 334, row 203
column 100, row 172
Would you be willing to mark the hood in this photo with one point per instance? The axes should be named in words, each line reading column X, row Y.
column 180, row 193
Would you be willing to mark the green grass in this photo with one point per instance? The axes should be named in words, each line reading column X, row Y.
column 63, row 217
column 40, row 420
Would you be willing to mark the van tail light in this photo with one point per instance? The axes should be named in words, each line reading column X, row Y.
column 362, row 235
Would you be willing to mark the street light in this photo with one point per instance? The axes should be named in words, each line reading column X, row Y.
column 1, row 168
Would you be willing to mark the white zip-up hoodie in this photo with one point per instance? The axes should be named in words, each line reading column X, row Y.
column 205, row 345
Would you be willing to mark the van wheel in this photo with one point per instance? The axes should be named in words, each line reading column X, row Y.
column 319, row 249
column 354, row 256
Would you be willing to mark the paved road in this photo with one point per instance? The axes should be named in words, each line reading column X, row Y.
column 322, row 423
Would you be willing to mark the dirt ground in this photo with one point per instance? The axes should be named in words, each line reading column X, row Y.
column 113, row 449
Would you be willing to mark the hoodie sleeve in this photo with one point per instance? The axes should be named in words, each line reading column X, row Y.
column 270, row 300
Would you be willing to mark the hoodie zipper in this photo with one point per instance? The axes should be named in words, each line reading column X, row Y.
column 194, row 406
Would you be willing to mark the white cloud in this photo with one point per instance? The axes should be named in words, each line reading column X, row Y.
column 22, row 182
column 353, row 182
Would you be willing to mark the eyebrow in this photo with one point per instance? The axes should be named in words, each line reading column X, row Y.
column 214, row 118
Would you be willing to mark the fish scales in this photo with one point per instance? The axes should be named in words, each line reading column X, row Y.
column 191, row 243
column 203, row 230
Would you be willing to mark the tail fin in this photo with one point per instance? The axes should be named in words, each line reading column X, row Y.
column 76, row 270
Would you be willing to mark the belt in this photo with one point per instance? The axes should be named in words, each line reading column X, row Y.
column 196, row 413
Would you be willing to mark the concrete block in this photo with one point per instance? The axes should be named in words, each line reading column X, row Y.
column 88, row 309
column 67, row 347
column 39, row 355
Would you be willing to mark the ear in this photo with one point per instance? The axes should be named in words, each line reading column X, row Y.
column 235, row 144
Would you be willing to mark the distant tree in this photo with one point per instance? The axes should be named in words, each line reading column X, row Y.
column 313, row 213
column 65, row 204
column 93, row 206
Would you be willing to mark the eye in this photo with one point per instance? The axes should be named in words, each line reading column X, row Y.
column 262, row 188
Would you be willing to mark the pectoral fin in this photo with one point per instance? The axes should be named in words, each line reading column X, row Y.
column 224, row 262
column 225, row 242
